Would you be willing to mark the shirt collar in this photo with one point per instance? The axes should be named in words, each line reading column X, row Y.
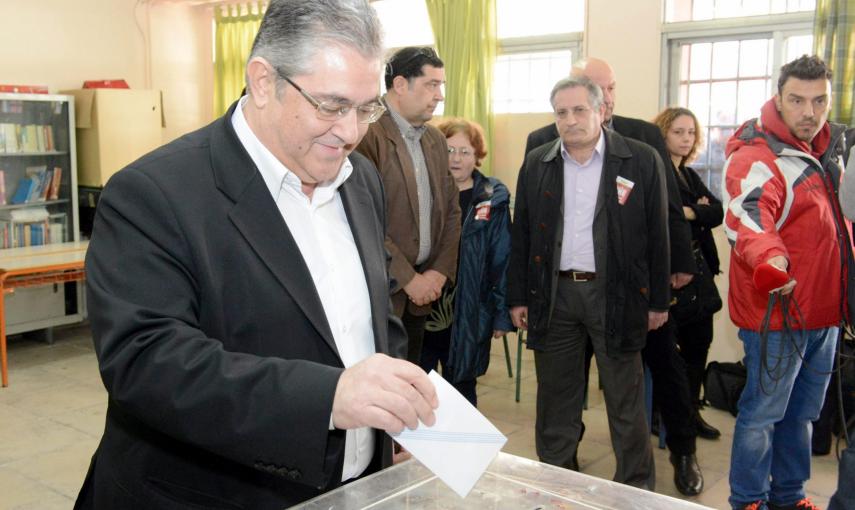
column 599, row 150
column 407, row 129
column 276, row 175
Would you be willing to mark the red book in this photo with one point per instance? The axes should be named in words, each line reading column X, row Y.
column 54, row 183
column 105, row 84
column 24, row 89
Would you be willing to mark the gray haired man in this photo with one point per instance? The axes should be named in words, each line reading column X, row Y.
column 246, row 338
column 589, row 257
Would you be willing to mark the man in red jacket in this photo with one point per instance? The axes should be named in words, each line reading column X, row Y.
column 782, row 220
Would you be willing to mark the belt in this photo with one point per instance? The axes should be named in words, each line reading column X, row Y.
column 577, row 276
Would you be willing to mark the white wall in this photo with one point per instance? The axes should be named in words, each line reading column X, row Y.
column 181, row 65
column 60, row 43
column 626, row 33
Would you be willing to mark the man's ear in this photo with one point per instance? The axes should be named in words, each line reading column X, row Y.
column 778, row 103
column 400, row 84
column 261, row 81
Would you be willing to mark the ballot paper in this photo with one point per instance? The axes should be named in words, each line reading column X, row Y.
column 460, row 445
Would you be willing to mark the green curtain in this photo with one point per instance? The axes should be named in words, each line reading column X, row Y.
column 235, row 29
column 468, row 49
column 834, row 42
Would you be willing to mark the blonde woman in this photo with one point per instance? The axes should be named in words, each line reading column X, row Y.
column 681, row 131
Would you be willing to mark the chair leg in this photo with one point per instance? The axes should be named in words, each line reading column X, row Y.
column 507, row 355
column 520, row 342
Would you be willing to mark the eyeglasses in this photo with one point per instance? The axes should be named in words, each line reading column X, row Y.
column 462, row 152
column 334, row 110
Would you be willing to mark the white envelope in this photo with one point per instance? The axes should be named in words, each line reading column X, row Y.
column 460, row 445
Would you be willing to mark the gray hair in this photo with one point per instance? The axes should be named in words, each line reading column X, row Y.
column 293, row 31
column 595, row 93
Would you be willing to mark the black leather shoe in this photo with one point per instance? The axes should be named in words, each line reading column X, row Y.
column 687, row 474
column 705, row 430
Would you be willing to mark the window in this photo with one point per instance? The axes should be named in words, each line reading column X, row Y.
column 726, row 71
column 697, row 10
column 522, row 81
column 535, row 50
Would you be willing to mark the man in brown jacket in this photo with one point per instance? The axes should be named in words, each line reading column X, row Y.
column 422, row 211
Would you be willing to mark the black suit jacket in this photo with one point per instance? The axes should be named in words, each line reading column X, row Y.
column 211, row 339
column 680, row 234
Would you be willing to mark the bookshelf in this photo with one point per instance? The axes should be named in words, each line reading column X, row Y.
column 38, row 200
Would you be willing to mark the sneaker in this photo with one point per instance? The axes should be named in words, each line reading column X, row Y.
column 802, row 504
column 757, row 505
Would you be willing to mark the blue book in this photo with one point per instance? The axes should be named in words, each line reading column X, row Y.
column 25, row 187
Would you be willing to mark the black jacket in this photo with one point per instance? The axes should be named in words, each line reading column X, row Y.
column 708, row 216
column 679, row 233
column 636, row 265
column 212, row 342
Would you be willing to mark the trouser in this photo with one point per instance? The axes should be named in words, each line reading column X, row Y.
column 435, row 353
column 671, row 389
column 770, row 460
column 578, row 314
column 415, row 327
column 694, row 340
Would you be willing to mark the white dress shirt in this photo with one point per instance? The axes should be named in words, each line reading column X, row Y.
column 320, row 228
column 581, row 188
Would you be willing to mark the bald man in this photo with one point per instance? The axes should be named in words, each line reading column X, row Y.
column 670, row 380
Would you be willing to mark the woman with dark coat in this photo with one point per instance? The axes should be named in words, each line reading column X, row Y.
column 681, row 131
column 463, row 321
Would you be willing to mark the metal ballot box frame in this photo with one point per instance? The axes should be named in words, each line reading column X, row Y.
column 510, row 482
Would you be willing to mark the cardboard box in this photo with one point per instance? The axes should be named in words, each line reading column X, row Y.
column 114, row 128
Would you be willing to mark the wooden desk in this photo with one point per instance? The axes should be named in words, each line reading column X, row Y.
column 32, row 266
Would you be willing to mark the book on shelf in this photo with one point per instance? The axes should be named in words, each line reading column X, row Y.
column 55, row 182
column 39, row 175
column 2, row 187
column 10, row 137
column 25, row 187
column 27, row 227
column 5, row 234
column 26, row 138
column 38, row 185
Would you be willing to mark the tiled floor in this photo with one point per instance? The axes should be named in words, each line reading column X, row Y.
column 51, row 417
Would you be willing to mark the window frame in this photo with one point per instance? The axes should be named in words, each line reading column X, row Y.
column 777, row 27
column 571, row 41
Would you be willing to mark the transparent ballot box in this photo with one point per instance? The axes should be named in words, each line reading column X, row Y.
column 510, row 483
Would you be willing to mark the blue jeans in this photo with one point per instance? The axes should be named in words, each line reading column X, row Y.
column 771, row 453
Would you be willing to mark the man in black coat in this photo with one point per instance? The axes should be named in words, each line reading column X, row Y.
column 239, row 293
column 589, row 260
column 670, row 382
